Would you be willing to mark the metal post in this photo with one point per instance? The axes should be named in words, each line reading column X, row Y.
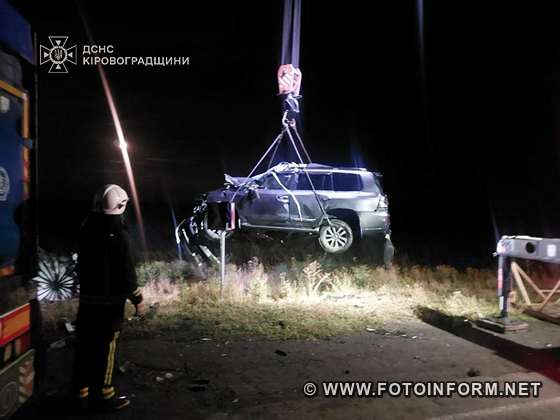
column 222, row 261
column 504, row 284
column 502, row 323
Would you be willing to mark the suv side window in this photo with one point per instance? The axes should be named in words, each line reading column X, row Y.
column 347, row 182
column 270, row 182
column 321, row 182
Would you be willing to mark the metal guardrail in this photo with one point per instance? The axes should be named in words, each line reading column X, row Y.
column 547, row 250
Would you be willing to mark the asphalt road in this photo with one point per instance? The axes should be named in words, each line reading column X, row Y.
column 183, row 375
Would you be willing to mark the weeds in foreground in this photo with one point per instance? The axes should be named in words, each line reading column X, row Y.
column 303, row 299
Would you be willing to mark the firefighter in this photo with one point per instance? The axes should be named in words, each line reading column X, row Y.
column 107, row 278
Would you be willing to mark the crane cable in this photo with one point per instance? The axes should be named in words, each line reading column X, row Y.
column 291, row 33
column 291, row 36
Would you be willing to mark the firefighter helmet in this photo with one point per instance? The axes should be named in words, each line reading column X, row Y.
column 111, row 199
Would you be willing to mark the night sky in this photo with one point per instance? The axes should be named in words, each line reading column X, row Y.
column 479, row 138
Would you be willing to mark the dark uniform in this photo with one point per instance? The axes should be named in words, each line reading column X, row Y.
column 107, row 278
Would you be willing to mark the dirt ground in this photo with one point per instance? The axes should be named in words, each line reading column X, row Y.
column 184, row 375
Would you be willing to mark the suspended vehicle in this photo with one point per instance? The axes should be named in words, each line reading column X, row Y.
column 341, row 206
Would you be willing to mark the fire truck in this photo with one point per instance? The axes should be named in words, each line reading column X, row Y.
column 18, row 227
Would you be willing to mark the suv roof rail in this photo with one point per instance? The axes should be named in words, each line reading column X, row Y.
column 318, row 166
column 314, row 165
column 345, row 168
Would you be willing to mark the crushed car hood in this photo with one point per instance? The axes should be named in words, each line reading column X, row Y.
column 237, row 181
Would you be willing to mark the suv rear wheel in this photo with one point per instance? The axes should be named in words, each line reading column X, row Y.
column 336, row 237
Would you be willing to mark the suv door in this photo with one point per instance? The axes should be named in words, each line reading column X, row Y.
column 308, row 213
column 269, row 205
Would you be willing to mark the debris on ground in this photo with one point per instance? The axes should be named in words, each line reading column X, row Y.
column 199, row 385
column 58, row 344
column 472, row 372
column 392, row 333
column 69, row 327
column 281, row 353
column 124, row 366
column 152, row 311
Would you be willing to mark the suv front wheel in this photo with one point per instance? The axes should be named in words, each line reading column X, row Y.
column 336, row 237
column 203, row 234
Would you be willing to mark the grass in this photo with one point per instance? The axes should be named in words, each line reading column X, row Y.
column 54, row 314
column 277, row 322
column 302, row 299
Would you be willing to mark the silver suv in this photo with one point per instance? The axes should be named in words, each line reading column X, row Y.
column 340, row 205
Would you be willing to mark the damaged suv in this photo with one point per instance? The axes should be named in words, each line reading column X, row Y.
column 341, row 206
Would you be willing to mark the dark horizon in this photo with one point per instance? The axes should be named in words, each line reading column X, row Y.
column 479, row 139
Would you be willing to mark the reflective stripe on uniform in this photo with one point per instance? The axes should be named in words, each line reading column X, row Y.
column 84, row 392
column 111, row 359
column 108, row 392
